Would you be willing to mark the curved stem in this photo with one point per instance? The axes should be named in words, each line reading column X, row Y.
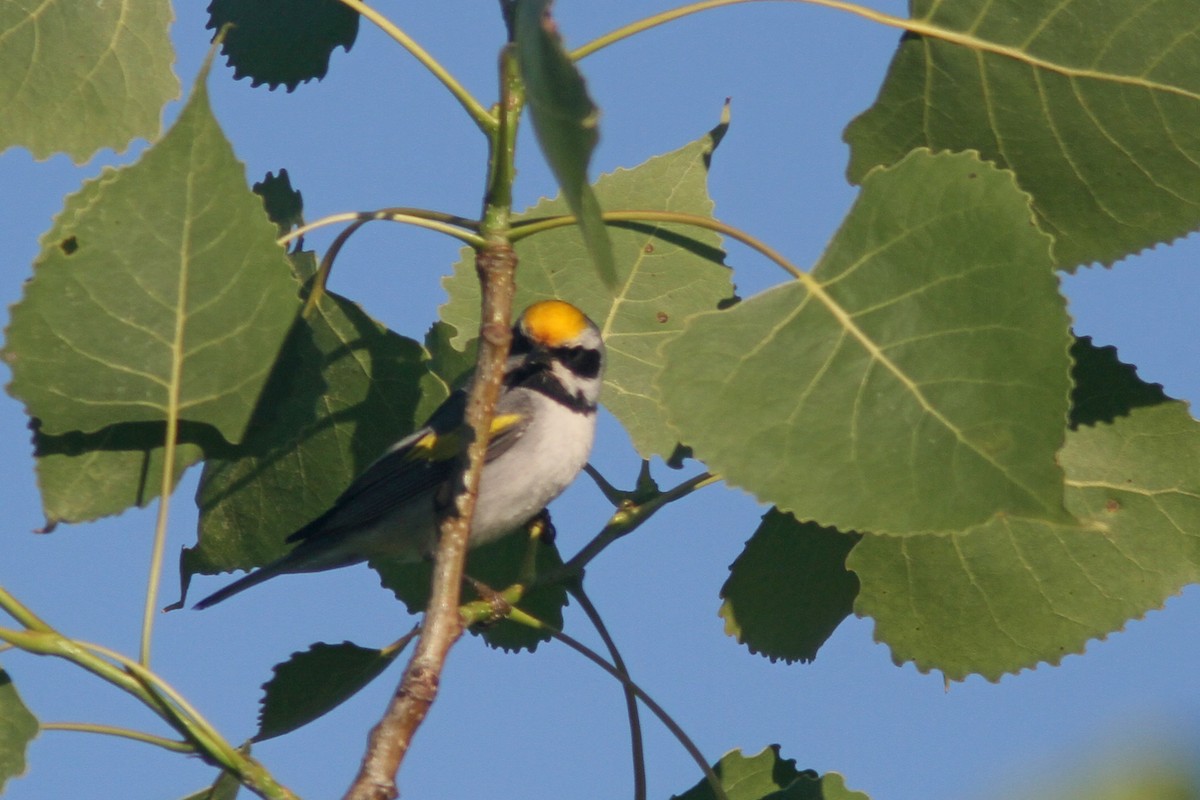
column 517, row 615
column 626, row 31
column 173, row 745
column 183, row 712
column 631, row 708
column 484, row 120
column 459, row 227
column 432, row 220
column 530, row 227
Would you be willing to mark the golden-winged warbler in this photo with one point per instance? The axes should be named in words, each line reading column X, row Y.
column 541, row 437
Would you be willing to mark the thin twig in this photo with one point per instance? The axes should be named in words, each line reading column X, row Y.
column 631, row 708
column 485, row 121
column 173, row 745
column 391, row 737
column 517, row 615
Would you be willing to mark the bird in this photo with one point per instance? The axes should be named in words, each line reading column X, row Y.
column 545, row 422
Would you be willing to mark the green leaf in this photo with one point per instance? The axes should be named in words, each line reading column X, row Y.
column 666, row 273
column 566, row 121
column 1104, row 387
column 766, row 775
column 343, row 390
column 159, row 291
column 1095, row 105
column 1015, row 592
column 284, row 205
column 498, row 566
column 85, row 476
column 916, row 380
column 225, row 787
column 17, row 729
column 313, row 683
column 789, row 589
column 77, row 77
column 286, row 42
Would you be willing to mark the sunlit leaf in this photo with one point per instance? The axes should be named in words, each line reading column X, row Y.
column 159, row 290
column 76, row 77
column 766, row 776
column 1094, row 104
column 17, row 729
column 1015, row 592
column 665, row 273
column 916, row 381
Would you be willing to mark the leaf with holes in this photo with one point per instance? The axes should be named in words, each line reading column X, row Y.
column 1094, row 105
column 159, row 291
column 78, row 77
column 666, row 272
column 915, row 381
column 343, row 390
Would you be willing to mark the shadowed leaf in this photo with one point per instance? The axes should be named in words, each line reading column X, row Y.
column 316, row 681
column 286, row 42
column 789, row 589
column 344, row 389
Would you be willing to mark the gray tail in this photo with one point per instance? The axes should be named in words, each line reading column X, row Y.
column 241, row 584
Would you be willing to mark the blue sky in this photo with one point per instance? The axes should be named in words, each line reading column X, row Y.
column 379, row 132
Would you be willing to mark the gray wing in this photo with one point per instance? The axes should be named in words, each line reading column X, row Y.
column 397, row 477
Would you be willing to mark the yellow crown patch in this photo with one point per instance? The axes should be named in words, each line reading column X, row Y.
column 553, row 322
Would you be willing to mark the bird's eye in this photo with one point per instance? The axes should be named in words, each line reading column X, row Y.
column 583, row 361
column 520, row 345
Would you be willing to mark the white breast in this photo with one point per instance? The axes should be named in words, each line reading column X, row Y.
column 552, row 450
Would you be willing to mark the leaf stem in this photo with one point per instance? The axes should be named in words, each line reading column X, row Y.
column 517, row 615
column 480, row 115
column 496, row 264
column 631, row 708
column 628, row 517
column 653, row 21
column 173, row 745
column 526, row 228
column 150, row 610
column 459, row 227
column 17, row 610
column 422, row 219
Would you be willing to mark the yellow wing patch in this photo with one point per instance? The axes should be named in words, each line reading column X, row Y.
column 553, row 322
column 432, row 447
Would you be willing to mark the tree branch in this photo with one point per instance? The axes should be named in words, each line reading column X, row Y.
column 391, row 737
